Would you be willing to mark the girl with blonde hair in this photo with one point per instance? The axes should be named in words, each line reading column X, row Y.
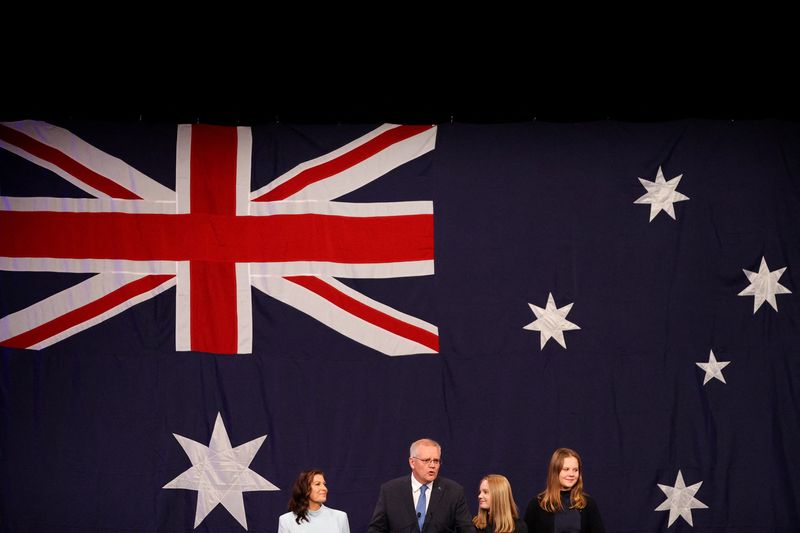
column 497, row 511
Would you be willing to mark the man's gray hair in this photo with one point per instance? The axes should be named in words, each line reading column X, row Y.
column 423, row 442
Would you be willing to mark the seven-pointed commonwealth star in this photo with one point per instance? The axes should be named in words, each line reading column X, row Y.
column 713, row 368
column 220, row 473
column 764, row 285
column 551, row 321
column 661, row 194
column 680, row 500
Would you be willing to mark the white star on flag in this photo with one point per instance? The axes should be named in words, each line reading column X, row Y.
column 220, row 473
column 661, row 194
column 764, row 285
column 551, row 321
column 713, row 368
column 680, row 500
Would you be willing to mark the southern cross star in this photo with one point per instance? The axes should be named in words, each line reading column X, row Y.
column 551, row 321
column 713, row 368
column 680, row 500
column 220, row 473
column 764, row 285
column 661, row 194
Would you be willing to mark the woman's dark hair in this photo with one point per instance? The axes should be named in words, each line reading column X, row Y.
column 298, row 503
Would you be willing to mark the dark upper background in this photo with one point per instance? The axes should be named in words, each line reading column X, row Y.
column 94, row 71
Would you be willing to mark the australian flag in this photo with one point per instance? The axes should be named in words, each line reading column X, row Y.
column 190, row 315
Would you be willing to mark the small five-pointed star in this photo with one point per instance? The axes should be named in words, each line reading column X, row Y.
column 220, row 473
column 713, row 368
column 551, row 321
column 661, row 194
column 680, row 500
column 764, row 285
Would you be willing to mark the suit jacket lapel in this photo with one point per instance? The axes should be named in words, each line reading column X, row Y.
column 435, row 496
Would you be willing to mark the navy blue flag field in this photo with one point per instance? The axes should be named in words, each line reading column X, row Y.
column 190, row 315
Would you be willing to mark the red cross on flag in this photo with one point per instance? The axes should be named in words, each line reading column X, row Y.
column 213, row 238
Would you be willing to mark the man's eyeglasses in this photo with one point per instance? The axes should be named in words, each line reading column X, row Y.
column 430, row 461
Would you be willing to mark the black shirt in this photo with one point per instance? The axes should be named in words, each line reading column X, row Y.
column 568, row 520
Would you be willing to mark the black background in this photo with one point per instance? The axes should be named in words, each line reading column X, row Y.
column 428, row 74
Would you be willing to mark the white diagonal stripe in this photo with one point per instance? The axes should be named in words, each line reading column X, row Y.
column 360, row 174
column 87, row 155
column 343, row 322
column 70, row 299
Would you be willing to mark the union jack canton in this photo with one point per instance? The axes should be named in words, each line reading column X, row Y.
column 213, row 238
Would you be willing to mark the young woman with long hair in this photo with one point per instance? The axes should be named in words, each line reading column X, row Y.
column 563, row 506
column 497, row 510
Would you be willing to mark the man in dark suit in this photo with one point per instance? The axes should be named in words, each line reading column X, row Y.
column 422, row 502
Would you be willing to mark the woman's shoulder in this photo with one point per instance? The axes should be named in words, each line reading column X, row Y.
column 590, row 502
column 286, row 522
column 591, row 508
column 340, row 517
column 535, row 504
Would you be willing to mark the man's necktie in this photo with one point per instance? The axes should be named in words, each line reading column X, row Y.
column 421, row 506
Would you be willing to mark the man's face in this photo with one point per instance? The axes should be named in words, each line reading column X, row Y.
column 425, row 466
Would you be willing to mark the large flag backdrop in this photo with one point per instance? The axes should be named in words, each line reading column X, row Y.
column 191, row 315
